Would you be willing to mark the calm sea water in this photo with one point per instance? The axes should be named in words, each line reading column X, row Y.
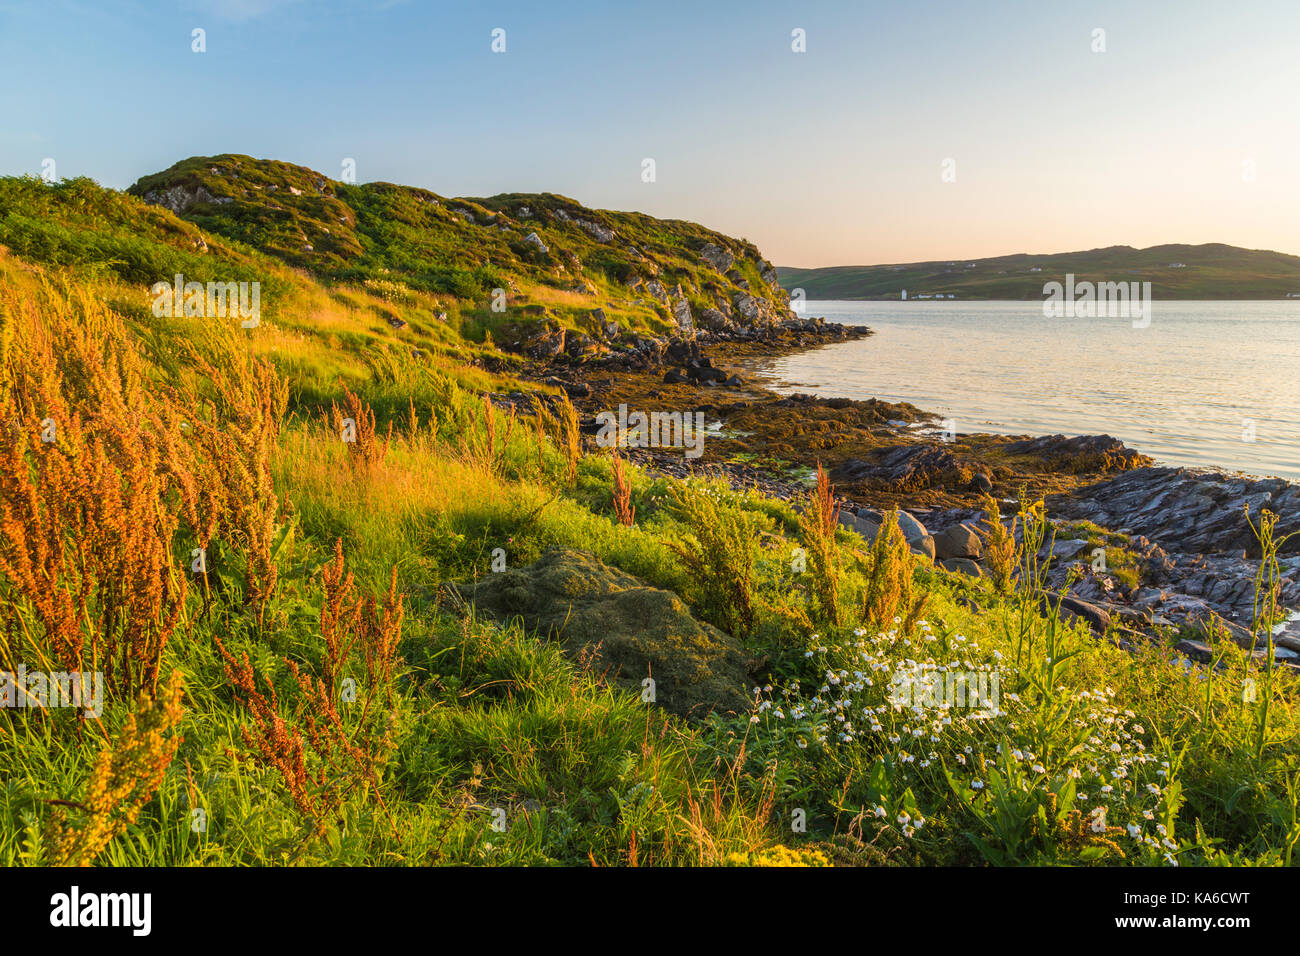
column 1206, row 383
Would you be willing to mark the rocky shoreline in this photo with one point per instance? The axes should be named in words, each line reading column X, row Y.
column 1182, row 557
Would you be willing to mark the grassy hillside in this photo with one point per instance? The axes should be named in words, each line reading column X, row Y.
column 1211, row 271
column 293, row 674
column 555, row 258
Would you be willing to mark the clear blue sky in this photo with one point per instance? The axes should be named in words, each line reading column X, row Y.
column 825, row 157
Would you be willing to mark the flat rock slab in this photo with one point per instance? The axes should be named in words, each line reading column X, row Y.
column 635, row 630
column 1188, row 510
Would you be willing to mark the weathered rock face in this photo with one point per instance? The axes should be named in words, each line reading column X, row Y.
column 578, row 344
column 756, row 312
column 180, row 198
column 594, row 229
column 635, row 630
column 682, row 314
column 1186, row 510
column 717, row 257
column 548, row 342
column 1086, row 453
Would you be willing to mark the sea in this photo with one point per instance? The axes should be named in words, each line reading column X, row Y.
column 1214, row 384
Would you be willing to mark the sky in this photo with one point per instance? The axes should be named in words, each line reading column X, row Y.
column 904, row 131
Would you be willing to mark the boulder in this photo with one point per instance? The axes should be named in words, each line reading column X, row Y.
column 682, row 351
column 1196, row 650
column 912, row 529
column 1097, row 618
column 715, row 320
column 1065, row 549
column 911, row 467
column 958, row 541
column 867, row 528
column 633, row 630
column 704, row 376
column 963, row 566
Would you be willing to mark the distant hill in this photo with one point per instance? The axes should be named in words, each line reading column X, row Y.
column 1210, row 271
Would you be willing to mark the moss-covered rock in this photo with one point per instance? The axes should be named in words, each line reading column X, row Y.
column 634, row 630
